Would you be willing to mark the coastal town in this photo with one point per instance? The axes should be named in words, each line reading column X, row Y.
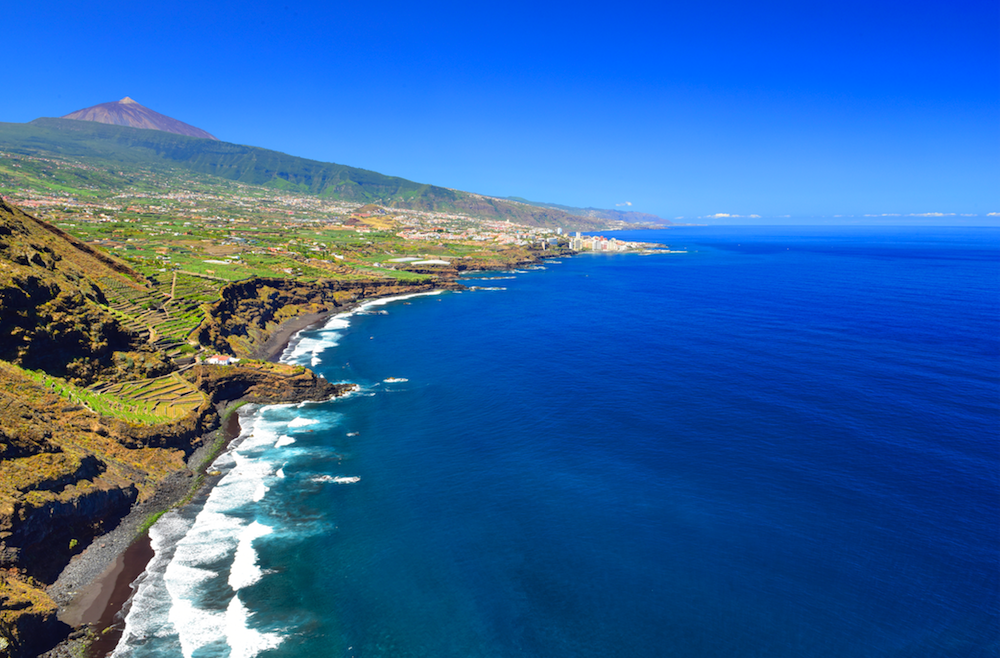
column 165, row 221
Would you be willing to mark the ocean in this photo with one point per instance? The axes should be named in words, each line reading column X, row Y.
column 782, row 443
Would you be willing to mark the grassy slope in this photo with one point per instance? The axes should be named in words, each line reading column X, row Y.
column 257, row 166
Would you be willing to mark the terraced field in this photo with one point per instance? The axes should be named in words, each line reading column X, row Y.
column 166, row 313
column 146, row 402
column 186, row 294
column 138, row 309
column 167, row 397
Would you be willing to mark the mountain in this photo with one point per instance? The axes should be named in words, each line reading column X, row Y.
column 127, row 112
column 105, row 144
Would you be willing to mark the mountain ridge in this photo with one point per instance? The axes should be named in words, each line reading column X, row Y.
column 259, row 166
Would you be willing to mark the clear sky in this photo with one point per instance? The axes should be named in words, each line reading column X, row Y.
column 681, row 109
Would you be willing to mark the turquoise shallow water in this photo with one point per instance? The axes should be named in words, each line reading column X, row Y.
column 782, row 443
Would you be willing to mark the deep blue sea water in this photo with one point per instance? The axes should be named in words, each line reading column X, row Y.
column 783, row 443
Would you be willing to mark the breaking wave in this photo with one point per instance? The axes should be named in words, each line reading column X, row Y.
column 190, row 600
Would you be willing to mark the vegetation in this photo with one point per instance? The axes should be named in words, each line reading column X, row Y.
column 142, row 254
column 148, row 401
column 111, row 149
column 148, row 522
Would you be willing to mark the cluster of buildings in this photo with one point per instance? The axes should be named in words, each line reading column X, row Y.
column 600, row 243
column 439, row 227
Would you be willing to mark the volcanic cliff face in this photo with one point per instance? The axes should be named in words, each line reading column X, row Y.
column 52, row 308
column 127, row 112
column 250, row 311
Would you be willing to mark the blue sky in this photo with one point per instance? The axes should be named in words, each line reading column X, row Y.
column 681, row 109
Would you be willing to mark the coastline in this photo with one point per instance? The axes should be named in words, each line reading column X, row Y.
column 93, row 590
column 95, row 586
column 275, row 345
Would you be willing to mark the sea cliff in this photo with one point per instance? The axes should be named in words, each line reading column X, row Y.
column 83, row 473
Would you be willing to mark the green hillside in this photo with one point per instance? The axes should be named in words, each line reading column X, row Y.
column 247, row 164
column 109, row 144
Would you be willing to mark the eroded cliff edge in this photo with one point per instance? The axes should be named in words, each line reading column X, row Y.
column 251, row 313
column 76, row 474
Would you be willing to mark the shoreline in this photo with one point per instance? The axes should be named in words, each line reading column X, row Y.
column 94, row 589
column 275, row 346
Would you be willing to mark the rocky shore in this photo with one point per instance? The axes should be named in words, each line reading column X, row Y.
column 94, row 586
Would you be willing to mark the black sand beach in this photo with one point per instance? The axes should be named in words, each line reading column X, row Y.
column 95, row 586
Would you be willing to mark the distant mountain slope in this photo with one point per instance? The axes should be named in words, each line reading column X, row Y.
column 127, row 112
column 258, row 166
column 630, row 216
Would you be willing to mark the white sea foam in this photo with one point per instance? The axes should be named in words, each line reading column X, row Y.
column 243, row 483
column 177, row 598
column 306, row 347
column 336, row 479
column 221, row 536
column 338, row 322
column 245, row 642
column 150, row 604
column 245, row 571
column 196, row 626
column 382, row 301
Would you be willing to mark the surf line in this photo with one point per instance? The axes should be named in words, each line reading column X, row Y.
column 159, row 565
